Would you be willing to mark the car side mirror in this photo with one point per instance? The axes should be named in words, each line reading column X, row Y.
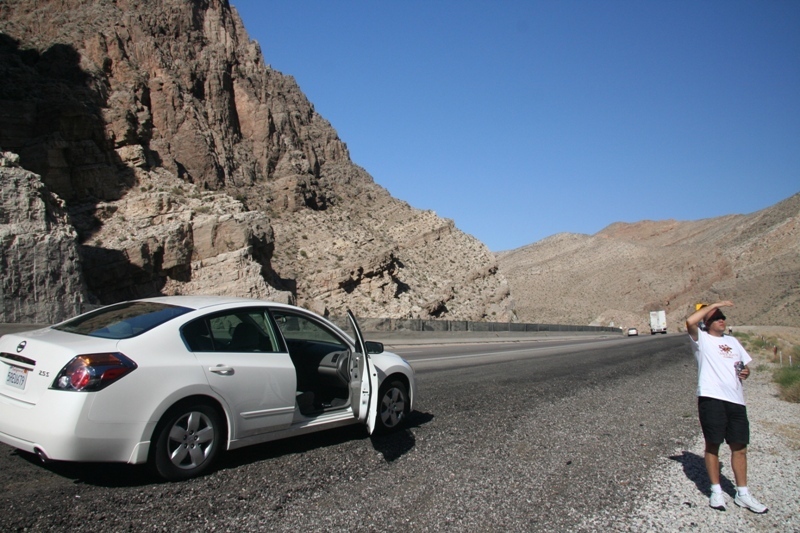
column 374, row 347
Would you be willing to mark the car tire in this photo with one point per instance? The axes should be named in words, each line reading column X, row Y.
column 393, row 406
column 186, row 441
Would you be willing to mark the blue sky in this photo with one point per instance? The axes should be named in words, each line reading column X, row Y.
column 522, row 119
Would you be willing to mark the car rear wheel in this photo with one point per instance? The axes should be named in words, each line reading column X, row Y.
column 187, row 439
column 392, row 406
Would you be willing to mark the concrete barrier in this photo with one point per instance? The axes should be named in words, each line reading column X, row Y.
column 399, row 331
column 13, row 328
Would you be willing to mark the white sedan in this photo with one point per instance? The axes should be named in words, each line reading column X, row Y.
column 171, row 381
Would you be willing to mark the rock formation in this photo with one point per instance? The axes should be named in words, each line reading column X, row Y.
column 41, row 278
column 187, row 165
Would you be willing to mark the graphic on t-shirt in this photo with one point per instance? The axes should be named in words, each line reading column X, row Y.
column 725, row 350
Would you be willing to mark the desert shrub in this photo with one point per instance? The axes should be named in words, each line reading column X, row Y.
column 784, row 356
column 745, row 339
column 759, row 343
column 788, row 380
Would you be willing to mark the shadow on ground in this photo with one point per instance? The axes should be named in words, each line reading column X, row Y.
column 392, row 446
column 694, row 467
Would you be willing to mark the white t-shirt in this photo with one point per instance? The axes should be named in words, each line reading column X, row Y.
column 716, row 366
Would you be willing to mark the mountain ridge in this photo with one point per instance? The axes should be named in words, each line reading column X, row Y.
column 626, row 270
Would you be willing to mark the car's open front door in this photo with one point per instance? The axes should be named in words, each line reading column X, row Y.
column 363, row 380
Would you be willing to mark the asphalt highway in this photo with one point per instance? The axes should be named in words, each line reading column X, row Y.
column 538, row 435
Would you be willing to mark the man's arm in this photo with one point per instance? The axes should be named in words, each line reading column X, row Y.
column 693, row 322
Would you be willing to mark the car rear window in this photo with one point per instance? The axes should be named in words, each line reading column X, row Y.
column 122, row 321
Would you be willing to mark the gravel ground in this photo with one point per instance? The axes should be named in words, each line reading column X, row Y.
column 673, row 504
column 606, row 440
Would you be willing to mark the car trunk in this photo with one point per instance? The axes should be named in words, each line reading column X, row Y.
column 30, row 361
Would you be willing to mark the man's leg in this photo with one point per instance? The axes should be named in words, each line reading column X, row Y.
column 716, row 499
column 739, row 463
column 712, row 462
column 713, row 421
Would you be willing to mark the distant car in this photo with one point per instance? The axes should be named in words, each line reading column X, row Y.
column 633, row 332
column 171, row 381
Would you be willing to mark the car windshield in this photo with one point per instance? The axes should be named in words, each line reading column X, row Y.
column 122, row 321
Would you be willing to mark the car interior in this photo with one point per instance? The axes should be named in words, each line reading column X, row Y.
column 321, row 361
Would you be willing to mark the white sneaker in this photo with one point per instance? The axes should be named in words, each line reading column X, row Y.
column 748, row 502
column 717, row 501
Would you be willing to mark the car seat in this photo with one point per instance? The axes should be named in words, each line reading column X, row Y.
column 246, row 338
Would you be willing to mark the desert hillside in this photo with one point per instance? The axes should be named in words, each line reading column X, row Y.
column 148, row 148
column 619, row 274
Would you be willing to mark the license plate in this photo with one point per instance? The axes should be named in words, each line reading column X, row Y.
column 16, row 377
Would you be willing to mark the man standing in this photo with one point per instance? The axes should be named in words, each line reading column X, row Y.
column 721, row 367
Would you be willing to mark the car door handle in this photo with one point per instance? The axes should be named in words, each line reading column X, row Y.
column 221, row 370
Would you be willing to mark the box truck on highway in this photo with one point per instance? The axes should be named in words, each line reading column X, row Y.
column 658, row 322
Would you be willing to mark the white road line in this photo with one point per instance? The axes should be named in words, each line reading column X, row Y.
column 478, row 355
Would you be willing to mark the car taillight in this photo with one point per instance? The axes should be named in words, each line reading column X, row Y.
column 93, row 372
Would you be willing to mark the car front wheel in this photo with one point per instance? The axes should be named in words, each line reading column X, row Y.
column 392, row 406
column 187, row 439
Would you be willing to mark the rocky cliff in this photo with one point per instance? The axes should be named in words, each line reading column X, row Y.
column 174, row 161
column 621, row 273
column 41, row 278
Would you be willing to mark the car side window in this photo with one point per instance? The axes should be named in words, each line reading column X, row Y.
column 300, row 328
column 240, row 330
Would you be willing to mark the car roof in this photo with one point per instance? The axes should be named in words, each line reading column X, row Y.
column 206, row 301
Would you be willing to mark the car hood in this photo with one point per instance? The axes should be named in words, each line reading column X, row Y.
column 388, row 362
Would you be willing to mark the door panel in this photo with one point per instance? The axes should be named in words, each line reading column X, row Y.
column 366, row 380
column 245, row 363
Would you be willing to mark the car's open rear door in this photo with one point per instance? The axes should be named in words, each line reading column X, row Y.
column 363, row 380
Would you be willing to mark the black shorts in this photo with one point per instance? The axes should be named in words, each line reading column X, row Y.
column 723, row 421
